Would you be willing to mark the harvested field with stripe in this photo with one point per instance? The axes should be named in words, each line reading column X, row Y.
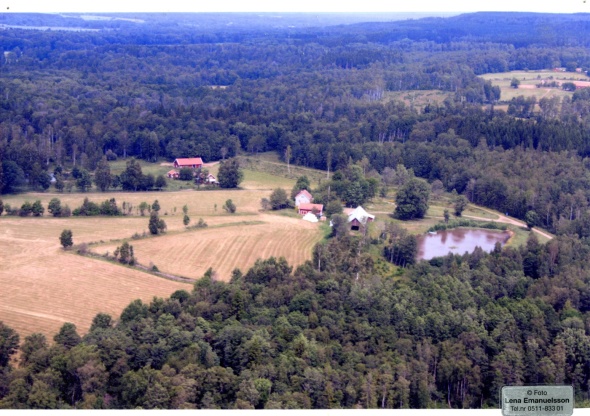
column 226, row 246
column 43, row 286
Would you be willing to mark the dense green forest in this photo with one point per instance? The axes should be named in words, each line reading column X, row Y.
column 333, row 333
column 167, row 91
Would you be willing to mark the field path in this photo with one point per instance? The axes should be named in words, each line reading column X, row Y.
column 507, row 220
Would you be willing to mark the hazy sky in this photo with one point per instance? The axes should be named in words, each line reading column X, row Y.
column 562, row 6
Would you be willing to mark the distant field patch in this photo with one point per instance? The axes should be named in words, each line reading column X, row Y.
column 419, row 98
column 530, row 79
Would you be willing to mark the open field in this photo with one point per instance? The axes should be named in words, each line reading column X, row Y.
column 43, row 286
column 529, row 80
column 418, row 99
column 171, row 203
column 227, row 246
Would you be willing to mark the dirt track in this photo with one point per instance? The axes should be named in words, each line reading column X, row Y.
column 508, row 220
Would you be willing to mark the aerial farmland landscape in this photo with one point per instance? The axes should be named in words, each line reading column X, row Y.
column 293, row 211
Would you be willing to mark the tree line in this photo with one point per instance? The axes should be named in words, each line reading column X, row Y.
column 334, row 333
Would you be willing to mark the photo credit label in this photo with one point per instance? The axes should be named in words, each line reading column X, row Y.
column 537, row 400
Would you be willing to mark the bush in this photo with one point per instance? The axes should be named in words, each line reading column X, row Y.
column 229, row 207
column 279, row 199
column 26, row 209
column 88, row 208
column 37, row 209
column 66, row 239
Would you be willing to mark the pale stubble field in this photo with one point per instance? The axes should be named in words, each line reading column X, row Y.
column 43, row 286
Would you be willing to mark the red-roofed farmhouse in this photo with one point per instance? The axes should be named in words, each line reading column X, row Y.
column 190, row 162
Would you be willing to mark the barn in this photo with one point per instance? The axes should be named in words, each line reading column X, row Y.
column 189, row 162
column 358, row 218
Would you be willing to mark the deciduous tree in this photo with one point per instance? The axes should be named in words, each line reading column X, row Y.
column 102, row 175
column 66, row 239
column 230, row 174
column 279, row 199
column 412, row 200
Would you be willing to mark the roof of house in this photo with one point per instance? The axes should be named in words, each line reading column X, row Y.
column 360, row 215
column 189, row 161
column 310, row 207
column 304, row 193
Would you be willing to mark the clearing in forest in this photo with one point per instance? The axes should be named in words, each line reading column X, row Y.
column 44, row 287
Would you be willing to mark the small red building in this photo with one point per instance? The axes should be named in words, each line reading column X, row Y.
column 190, row 162
column 317, row 209
column 173, row 174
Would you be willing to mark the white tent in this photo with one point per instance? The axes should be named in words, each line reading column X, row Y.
column 310, row 217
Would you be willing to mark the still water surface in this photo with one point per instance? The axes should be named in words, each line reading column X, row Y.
column 458, row 241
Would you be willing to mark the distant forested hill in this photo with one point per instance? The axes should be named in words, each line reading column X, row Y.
column 148, row 86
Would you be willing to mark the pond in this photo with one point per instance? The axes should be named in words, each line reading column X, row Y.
column 458, row 241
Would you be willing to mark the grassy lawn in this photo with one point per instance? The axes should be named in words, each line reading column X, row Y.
column 268, row 163
column 264, row 180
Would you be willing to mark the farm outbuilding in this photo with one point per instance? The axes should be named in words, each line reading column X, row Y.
column 317, row 209
column 190, row 162
column 173, row 174
column 358, row 218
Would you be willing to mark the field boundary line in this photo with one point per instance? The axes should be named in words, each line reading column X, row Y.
column 136, row 266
